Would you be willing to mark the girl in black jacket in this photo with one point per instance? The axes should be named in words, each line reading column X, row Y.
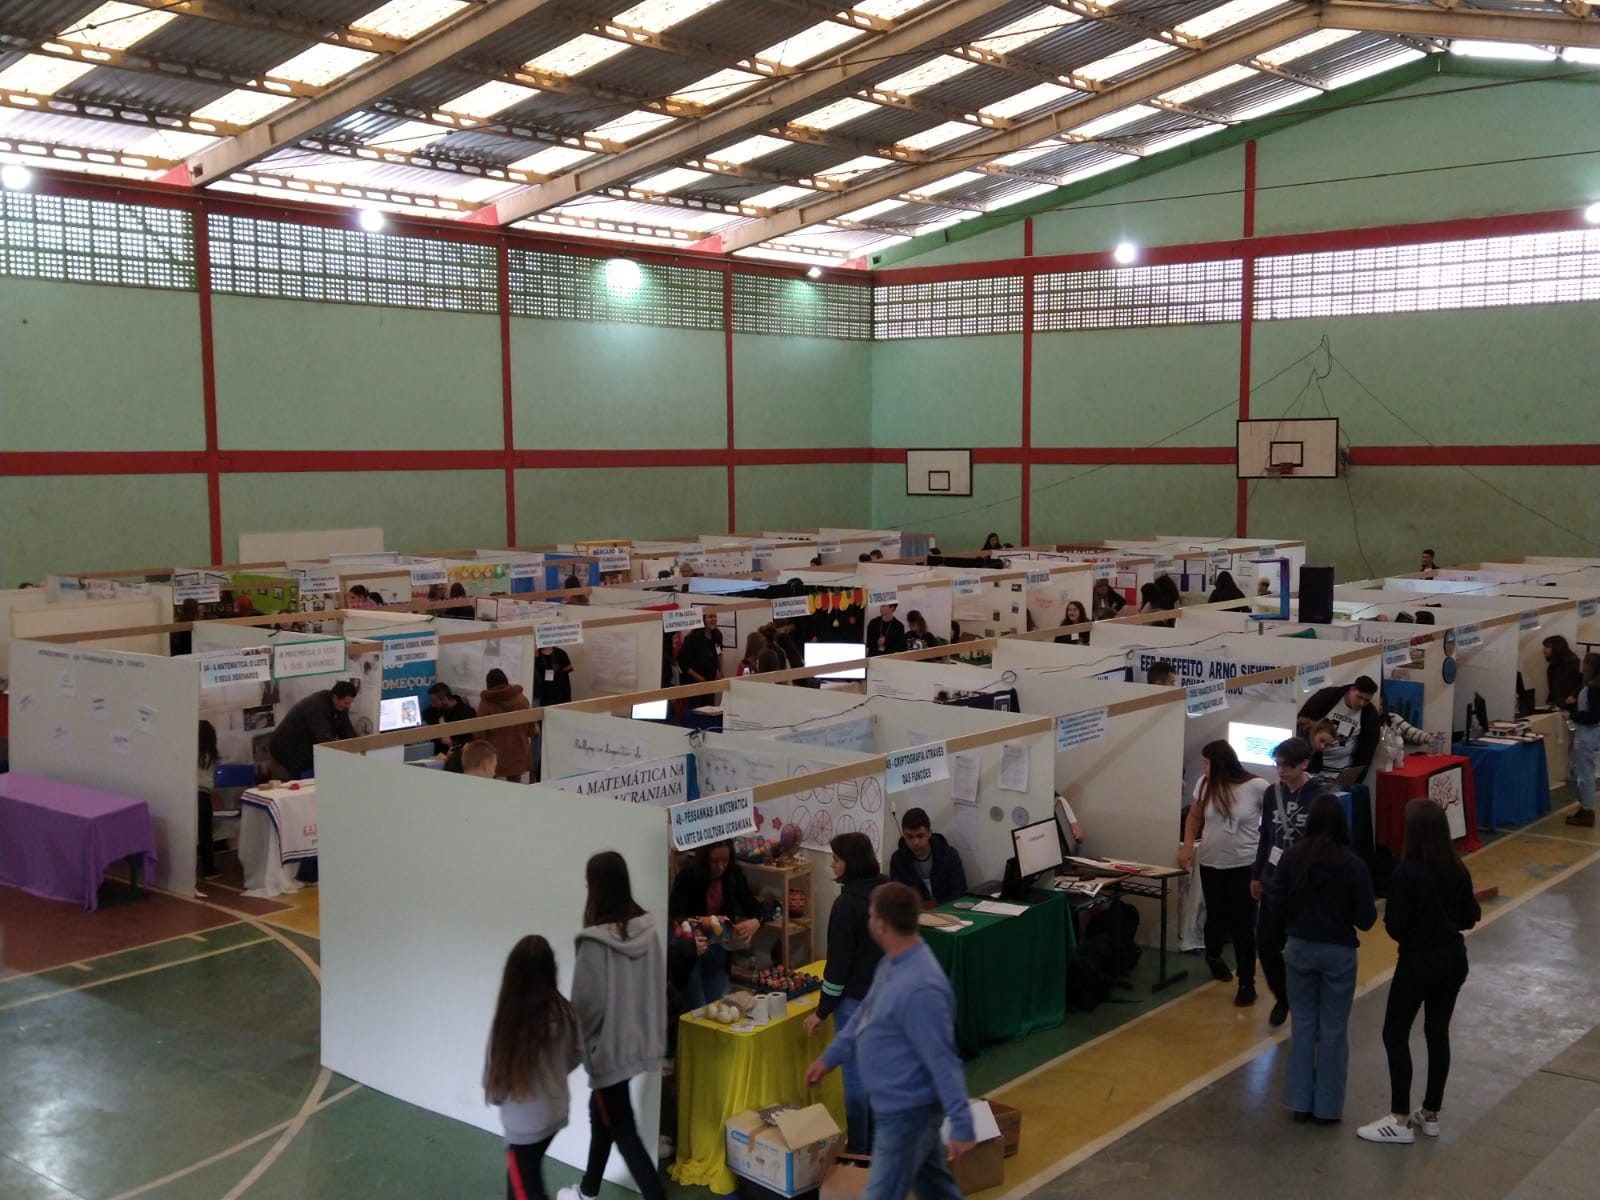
column 1431, row 902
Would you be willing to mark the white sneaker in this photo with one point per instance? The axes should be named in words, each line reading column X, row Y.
column 665, row 1149
column 572, row 1193
column 1427, row 1125
column 1387, row 1129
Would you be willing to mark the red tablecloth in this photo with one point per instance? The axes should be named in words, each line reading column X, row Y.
column 1410, row 780
column 56, row 839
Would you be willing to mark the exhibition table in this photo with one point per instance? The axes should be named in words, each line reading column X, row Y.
column 1399, row 787
column 1512, row 781
column 1009, row 973
column 722, row 1071
column 277, row 828
column 57, row 839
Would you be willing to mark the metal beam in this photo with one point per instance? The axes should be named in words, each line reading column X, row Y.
column 225, row 12
column 753, row 112
column 1143, row 87
column 1466, row 23
column 125, row 114
column 379, row 79
column 134, row 60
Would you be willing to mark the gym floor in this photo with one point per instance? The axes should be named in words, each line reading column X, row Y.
column 169, row 1049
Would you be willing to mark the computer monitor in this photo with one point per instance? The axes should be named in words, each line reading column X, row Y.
column 399, row 712
column 650, row 710
column 1069, row 844
column 1254, row 744
column 821, row 654
column 1037, row 848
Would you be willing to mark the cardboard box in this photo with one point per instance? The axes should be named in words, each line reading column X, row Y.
column 847, row 1178
column 1010, row 1122
column 985, row 1166
column 791, row 1154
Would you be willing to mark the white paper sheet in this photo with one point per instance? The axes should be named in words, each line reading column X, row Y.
column 998, row 908
column 964, row 779
column 1014, row 767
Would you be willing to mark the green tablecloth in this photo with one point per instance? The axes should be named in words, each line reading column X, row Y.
column 1009, row 973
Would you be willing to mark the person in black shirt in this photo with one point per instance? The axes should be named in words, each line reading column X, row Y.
column 1074, row 615
column 321, row 717
column 552, row 677
column 885, row 633
column 447, row 706
column 700, row 657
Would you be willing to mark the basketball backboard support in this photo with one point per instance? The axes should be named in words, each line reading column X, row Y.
column 1305, row 448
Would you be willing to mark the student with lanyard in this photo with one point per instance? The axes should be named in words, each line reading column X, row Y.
column 1284, row 808
column 1356, row 724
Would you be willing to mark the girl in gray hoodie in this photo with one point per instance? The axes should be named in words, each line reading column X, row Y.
column 619, row 991
column 533, row 1047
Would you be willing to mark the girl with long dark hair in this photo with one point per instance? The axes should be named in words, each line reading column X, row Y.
column 1585, row 712
column 205, row 782
column 1324, row 892
column 1075, row 614
column 1563, row 673
column 619, row 994
column 533, row 1047
column 1431, row 902
column 1226, row 819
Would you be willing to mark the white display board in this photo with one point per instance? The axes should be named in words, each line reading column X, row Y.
column 281, row 546
column 427, row 881
column 119, row 722
column 576, row 742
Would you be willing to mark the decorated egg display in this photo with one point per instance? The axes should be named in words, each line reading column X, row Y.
column 790, row 983
column 797, row 902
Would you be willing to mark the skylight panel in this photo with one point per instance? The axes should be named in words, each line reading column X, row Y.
column 657, row 15
column 576, row 56
column 116, row 26
column 934, row 71
column 830, row 116
column 1206, row 84
column 405, row 19
column 171, row 143
column 670, row 180
column 42, row 74
column 959, row 179
column 322, row 64
column 867, row 212
column 939, row 135
column 1167, row 141
column 1292, row 94
column 1091, row 170
column 1580, row 54
column 1116, row 120
column 407, row 136
column 1035, row 97
column 1368, row 70
column 493, row 97
column 1017, row 157
column 887, row 10
column 549, row 162
column 811, row 43
column 748, row 150
column 1024, row 30
column 714, row 89
column 1121, row 62
column 630, row 127
column 241, row 107
column 1226, row 16
column 1514, row 51
column 853, row 169
column 1026, row 192
column 779, row 196
column 1302, row 46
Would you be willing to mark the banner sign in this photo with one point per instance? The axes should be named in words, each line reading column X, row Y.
column 916, row 766
column 681, row 620
column 253, row 664
column 791, row 608
column 401, row 649
column 1203, row 698
column 660, row 781
column 713, row 819
column 320, row 656
column 558, row 633
column 1080, row 729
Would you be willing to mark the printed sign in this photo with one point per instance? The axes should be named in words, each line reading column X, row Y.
column 1445, row 789
column 916, row 766
column 1080, row 729
column 133, row 589
column 887, row 540
column 1468, row 636
column 614, row 559
column 681, row 620
column 878, row 597
column 322, row 656
column 1038, row 577
column 827, row 545
column 1220, row 558
column 1527, row 622
column 1104, row 570
column 99, row 589
column 201, row 593
column 1166, row 566
column 712, row 819
column 1202, row 698
column 1396, row 654
column 659, row 781
column 429, row 573
column 967, row 585
column 791, row 608
column 558, row 633
column 253, row 664
column 1588, row 608
column 319, row 585
column 1267, row 550
column 527, row 570
column 1315, row 675
column 410, row 648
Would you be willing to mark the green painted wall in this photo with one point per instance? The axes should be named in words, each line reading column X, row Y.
column 1133, row 387
column 958, row 523
column 801, row 391
column 830, row 494
column 1004, row 242
column 944, row 392
column 65, row 382
column 650, row 502
column 614, row 386
column 296, row 375
column 423, row 510
column 1076, row 502
column 100, row 523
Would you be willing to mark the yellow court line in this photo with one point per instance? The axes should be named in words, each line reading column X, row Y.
column 94, row 983
column 177, row 937
column 1099, row 1092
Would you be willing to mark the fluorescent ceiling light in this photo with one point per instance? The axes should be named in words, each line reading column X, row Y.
column 491, row 98
column 1226, row 16
column 405, row 19
column 939, row 135
column 1131, row 58
column 631, row 126
column 1024, row 30
column 811, row 43
column 577, row 55
column 670, row 180
column 832, row 115
column 548, row 162
column 1207, row 84
column 748, row 150
column 934, row 71
column 242, row 107
column 714, row 89
column 1302, row 46
column 1035, row 97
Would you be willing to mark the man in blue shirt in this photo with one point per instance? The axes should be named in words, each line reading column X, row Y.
column 906, row 1029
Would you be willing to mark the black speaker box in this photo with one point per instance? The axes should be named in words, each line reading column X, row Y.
column 1316, row 595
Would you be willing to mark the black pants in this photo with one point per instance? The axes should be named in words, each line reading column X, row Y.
column 1271, row 937
column 1429, row 981
column 208, row 862
column 1231, row 916
column 611, row 1123
column 525, row 1170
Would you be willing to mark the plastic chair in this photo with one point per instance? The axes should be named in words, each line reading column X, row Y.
column 228, row 781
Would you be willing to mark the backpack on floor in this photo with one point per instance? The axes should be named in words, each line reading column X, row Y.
column 1087, row 985
column 1111, row 938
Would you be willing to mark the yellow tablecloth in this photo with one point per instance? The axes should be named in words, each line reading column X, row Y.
column 722, row 1072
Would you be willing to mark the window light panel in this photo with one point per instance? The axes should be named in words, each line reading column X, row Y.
column 1017, row 157
column 811, row 43
column 116, row 26
column 1302, row 46
column 780, row 196
column 241, row 107
column 748, row 150
column 868, row 212
column 577, row 55
column 1515, row 51
column 670, row 180
column 1026, row 192
column 42, row 74
column 1226, row 16
column 1035, row 97
column 887, row 10
column 1168, row 140
column 939, row 135
column 1115, row 120
column 1368, row 70
column 657, row 15
column 920, row 78
column 1292, row 95
column 493, row 97
column 630, row 127
column 1207, row 84
column 714, row 89
column 854, row 168
column 405, row 19
column 1024, row 30
column 553, row 160
column 959, row 179
column 830, row 116
column 322, row 64
column 1123, row 61
column 1091, row 170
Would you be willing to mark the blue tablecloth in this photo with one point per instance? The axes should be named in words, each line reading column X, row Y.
column 1512, row 781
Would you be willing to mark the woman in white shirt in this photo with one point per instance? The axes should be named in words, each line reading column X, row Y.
column 1226, row 820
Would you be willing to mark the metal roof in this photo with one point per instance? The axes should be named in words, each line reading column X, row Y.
column 794, row 129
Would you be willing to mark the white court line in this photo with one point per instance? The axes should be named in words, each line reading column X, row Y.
column 1067, row 1162
column 290, row 1132
column 94, row 983
column 177, row 937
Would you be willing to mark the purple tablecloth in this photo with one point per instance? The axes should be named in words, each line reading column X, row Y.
column 57, row 839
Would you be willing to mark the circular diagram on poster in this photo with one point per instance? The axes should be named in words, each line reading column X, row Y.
column 846, row 823
column 800, row 818
column 871, row 790
column 1020, row 816
column 822, row 829
column 847, row 792
column 870, row 828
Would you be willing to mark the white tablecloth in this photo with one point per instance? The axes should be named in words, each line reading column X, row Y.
column 268, row 870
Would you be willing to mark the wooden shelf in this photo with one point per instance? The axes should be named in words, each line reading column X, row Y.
column 794, row 924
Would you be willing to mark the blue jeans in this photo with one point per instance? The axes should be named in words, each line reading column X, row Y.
column 1322, row 986
column 1580, row 763
column 708, row 981
column 857, row 1112
column 908, row 1155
